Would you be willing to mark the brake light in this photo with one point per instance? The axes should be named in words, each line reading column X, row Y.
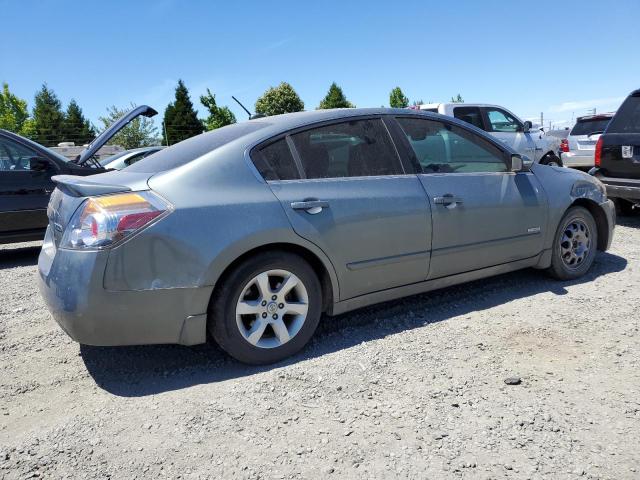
column 597, row 157
column 101, row 222
column 564, row 145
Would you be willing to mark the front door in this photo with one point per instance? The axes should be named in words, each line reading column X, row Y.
column 354, row 201
column 24, row 192
column 483, row 214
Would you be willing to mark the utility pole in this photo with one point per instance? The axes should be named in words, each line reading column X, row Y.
column 542, row 119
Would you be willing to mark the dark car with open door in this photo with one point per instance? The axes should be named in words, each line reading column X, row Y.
column 617, row 156
column 26, row 168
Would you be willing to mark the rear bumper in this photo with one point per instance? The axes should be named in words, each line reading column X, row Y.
column 572, row 159
column 71, row 283
column 627, row 188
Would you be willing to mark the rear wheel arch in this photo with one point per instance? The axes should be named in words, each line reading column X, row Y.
column 328, row 280
column 599, row 216
column 550, row 155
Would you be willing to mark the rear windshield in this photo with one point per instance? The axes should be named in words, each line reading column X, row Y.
column 627, row 120
column 591, row 125
column 195, row 147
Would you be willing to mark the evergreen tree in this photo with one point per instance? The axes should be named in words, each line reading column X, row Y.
column 77, row 129
column 335, row 99
column 278, row 100
column 140, row 132
column 48, row 118
column 397, row 99
column 218, row 116
column 180, row 119
column 457, row 99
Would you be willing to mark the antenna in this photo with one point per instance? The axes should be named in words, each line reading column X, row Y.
column 243, row 107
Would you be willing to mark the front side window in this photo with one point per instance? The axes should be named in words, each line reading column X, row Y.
column 470, row 115
column 14, row 157
column 443, row 148
column 501, row 121
column 357, row 148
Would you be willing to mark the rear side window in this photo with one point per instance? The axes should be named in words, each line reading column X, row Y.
column 470, row 115
column 195, row 147
column 358, row 148
column 275, row 162
column 590, row 126
column 444, row 148
column 627, row 119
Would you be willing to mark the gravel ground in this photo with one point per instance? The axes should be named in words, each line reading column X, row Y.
column 409, row 389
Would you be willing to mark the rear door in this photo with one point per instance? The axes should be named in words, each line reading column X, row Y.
column 621, row 142
column 343, row 187
column 482, row 214
column 24, row 192
column 510, row 131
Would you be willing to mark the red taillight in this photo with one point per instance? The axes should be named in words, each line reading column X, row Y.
column 564, row 145
column 598, row 154
column 133, row 221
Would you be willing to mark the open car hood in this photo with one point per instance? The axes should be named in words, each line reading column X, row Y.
column 115, row 127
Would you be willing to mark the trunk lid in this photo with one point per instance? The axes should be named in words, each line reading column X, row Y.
column 115, row 127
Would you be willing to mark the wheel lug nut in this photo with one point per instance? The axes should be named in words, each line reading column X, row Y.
column 275, row 316
column 264, row 303
column 264, row 314
column 281, row 305
column 274, row 297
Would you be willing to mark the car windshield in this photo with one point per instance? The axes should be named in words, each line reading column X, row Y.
column 195, row 147
column 627, row 120
column 591, row 125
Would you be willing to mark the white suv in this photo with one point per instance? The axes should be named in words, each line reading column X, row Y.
column 506, row 127
column 579, row 148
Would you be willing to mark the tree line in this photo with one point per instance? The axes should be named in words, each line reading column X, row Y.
column 48, row 123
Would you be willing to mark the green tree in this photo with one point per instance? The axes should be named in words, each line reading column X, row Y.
column 218, row 116
column 48, row 117
column 457, row 99
column 180, row 119
column 417, row 103
column 335, row 98
column 280, row 99
column 397, row 99
column 77, row 128
column 14, row 115
column 140, row 132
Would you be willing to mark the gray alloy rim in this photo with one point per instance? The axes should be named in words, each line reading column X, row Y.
column 575, row 243
column 272, row 308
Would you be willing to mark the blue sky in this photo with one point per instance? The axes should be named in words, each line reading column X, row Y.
column 561, row 58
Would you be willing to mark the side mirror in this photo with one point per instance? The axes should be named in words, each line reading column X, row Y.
column 527, row 126
column 39, row 164
column 517, row 164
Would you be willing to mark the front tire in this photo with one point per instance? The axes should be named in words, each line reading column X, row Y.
column 574, row 245
column 266, row 309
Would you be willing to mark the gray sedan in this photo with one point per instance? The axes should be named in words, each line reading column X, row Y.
column 251, row 232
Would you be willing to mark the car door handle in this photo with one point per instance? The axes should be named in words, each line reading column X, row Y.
column 448, row 200
column 311, row 206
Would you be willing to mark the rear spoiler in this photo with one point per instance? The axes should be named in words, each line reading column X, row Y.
column 77, row 186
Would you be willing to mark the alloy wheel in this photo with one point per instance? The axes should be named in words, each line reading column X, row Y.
column 575, row 243
column 272, row 308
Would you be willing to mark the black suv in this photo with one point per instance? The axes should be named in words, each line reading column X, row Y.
column 617, row 156
column 26, row 169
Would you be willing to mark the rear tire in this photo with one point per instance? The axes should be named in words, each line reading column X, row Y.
column 574, row 245
column 266, row 309
column 624, row 207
